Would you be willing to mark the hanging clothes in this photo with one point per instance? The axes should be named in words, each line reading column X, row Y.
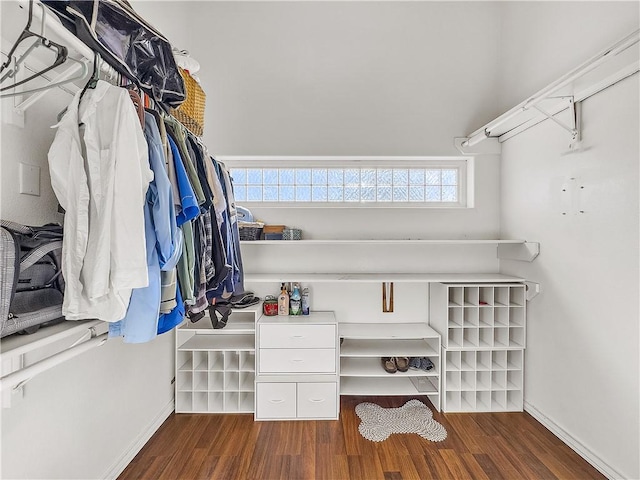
column 164, row 247
column 104, row 252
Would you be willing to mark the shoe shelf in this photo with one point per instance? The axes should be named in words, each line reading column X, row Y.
column 390, row 387
column 215, row 368
column 372, row 367
column 364, row 344
column 479, row 316
column 483, row 330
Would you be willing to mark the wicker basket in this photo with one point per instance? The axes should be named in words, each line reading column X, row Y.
column 250, row 230
column 191, row 112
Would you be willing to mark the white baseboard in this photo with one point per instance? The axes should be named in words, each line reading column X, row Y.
column 140, row 442
column 574, row 444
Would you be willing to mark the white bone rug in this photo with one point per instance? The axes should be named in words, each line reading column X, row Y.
column 378, row 423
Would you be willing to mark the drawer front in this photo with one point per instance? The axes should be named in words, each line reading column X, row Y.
column 293, row 360
column 297, row 336
column 317, row 400
column 275, row 400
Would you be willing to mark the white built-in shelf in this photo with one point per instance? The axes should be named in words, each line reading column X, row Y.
column 20, row 344
column 372, row 367
column 387, row 331
column 390, row 386
column 233, row 326
column 382, row 277
column 220, row 343
column 382, row 242
column 386, row 348
column 314, row 317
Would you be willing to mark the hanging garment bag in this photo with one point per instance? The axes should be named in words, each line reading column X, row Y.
column 128, row 43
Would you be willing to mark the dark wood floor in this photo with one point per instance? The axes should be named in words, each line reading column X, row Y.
column 479, row 446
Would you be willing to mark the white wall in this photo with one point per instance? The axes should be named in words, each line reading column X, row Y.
column 348, row 78
column 582, row 371
column 82, row 418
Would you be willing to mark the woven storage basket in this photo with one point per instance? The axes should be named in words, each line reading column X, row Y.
column 191, row 112
column 250, row 230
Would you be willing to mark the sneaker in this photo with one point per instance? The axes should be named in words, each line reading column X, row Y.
column 426, row 363
column 402, row 363
column 414, row 362
column 389, row 364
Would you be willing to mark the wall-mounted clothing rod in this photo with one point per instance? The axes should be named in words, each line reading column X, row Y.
column 23, row 375
column 489, row 130
column 51, row 25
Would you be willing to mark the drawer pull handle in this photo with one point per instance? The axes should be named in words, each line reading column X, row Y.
column 297, row 336
column 297, row 360
column 280, row 400
column 316, row 400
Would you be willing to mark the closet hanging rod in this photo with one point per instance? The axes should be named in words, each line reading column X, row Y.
column 54, row 25
column 23, row 375
column 581, row 70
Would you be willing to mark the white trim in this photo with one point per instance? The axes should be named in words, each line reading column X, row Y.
column 572, row 442
column 129, row 454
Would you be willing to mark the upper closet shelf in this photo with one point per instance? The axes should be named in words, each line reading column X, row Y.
column 506, row 249
column 382, row 277
column 604, row 69
column 381, row 242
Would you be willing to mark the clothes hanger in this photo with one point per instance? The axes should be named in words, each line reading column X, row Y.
column 95, row 75
column 60, row 51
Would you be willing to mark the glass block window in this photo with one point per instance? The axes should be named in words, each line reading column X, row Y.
column 349, row 181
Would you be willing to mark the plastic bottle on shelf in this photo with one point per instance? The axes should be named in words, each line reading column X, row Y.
column 305, row 301
column 295, row 303
column 283, row 301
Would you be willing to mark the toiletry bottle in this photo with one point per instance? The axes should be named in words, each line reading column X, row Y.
column 283, row 301
column 305, row 301
column 295, row 303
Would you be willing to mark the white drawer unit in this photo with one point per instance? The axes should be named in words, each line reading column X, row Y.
column 297, row 367
column 297, row 360
column 297, row 336
column 317, row 400
column 276, row 400
column 281, row 401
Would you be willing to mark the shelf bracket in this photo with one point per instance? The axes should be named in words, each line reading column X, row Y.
column 524, row 252
column 574, row 128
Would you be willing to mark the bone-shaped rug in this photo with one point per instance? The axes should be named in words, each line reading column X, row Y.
column 378, row 423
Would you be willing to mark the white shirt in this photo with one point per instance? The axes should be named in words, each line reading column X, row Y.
column 100, row 177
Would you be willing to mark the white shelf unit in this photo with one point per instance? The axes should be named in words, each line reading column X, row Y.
column 483, row 329
column 215, row 369
column 363, row 345
column 479, row 316
column 483, row 380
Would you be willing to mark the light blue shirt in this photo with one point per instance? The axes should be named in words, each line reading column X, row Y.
column 164, row 247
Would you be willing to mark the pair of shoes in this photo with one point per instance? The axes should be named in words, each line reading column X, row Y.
column 421, row 363
column 389, row 364
column 414, row 362
column 402, row 363
column 395, row 364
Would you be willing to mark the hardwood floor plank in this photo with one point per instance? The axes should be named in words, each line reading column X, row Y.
column 455, row 464
column 473, row 467
column 490, row 446
column 490, row 468
column 364, row 467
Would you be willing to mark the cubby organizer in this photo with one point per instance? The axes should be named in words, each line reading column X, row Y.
column 215, row 369
column 479, row 316
column 483, row 329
